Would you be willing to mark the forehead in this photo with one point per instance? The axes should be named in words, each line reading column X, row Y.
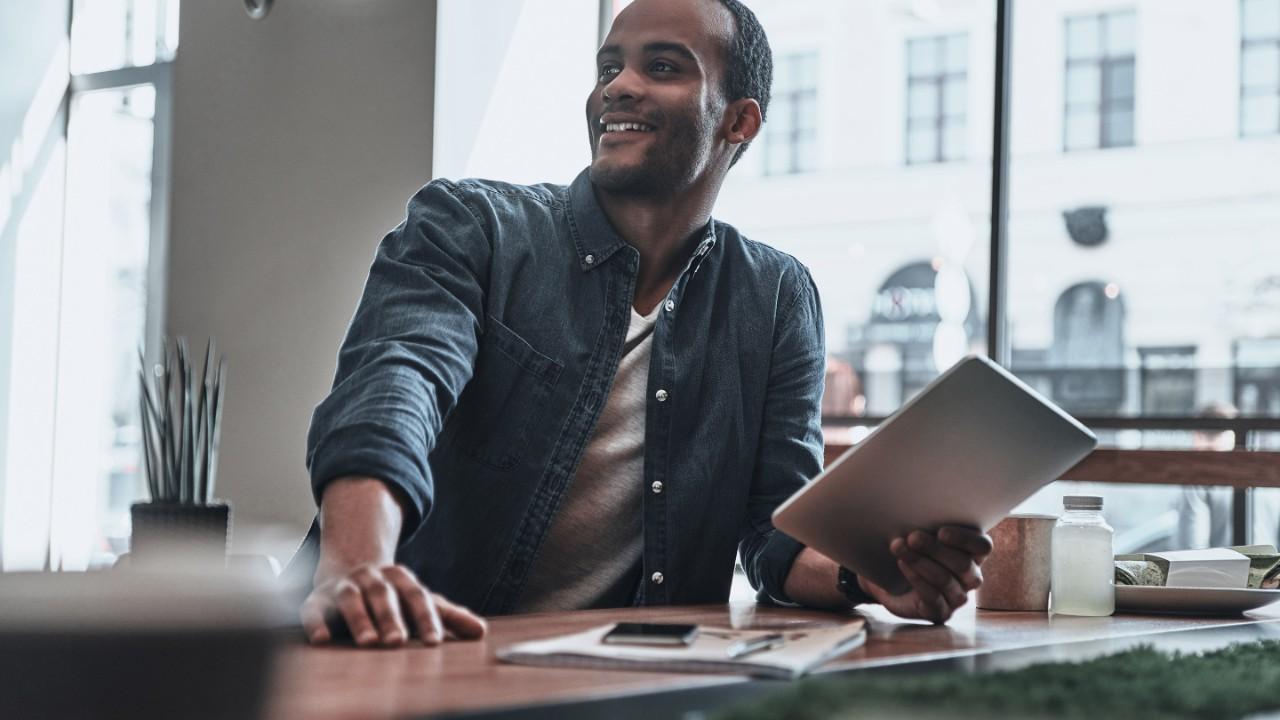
column 704, row 26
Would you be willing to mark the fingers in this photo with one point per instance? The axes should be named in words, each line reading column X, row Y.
column 418, row 605
column 938, row 579
column 463, row 623
column 349, row 600
column 313, row 623
column 383, row 603
column 976, row 544
column 927, row 591
column 958, row 562
column 930, row 604
column 380, row 604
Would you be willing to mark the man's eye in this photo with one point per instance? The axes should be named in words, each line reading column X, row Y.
column 608, row 71
column 662, row 66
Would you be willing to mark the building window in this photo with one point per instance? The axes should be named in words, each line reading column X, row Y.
column 937, row 83
column 1099, row 87
column 791, row 132
column 1259, row 67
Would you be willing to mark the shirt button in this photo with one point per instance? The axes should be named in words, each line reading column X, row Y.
column 590, row 259
column 671, row 305
column 661, row 395
column 657, row 486
column 656, row 578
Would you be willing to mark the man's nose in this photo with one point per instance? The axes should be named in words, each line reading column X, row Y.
column 626, row 85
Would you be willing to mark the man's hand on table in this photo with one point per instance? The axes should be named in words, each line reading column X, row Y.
column 375, row 601
column 359, row 584
column 942, row 568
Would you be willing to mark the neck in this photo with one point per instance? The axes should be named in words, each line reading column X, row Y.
column 665, row 229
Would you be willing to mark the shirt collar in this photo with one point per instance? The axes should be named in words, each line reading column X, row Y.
column 594, row 237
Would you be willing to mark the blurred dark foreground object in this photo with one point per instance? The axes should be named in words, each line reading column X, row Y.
column 138, row 644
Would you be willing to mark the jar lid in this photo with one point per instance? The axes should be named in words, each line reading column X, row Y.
column 1082, row 502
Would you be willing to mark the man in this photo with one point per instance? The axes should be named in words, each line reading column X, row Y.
column 1205, row 511
column 590, row 396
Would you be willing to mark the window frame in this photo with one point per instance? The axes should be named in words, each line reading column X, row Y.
column 1246, row 43
column 793, row 102
column 160, row 76
column 939, row 81
column 1106, row 62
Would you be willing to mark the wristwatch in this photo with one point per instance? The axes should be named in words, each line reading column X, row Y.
column 847, row 583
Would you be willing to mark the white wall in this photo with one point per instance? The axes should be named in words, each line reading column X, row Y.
column 511, row 91
column 297, row 140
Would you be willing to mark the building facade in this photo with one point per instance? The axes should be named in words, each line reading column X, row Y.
column 1144, row 223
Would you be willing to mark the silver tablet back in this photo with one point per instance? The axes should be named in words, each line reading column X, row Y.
column 964, row 451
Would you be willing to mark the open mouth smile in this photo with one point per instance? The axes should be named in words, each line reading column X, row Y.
column 619, row 127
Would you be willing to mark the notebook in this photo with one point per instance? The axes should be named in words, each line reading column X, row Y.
column 805, row 648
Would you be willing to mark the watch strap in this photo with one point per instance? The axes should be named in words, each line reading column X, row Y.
column 847, row 584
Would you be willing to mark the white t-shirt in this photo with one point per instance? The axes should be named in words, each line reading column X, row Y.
column 591, row 554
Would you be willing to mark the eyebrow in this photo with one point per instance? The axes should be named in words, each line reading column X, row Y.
column 652, row 49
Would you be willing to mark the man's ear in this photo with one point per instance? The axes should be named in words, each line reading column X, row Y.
column 744, row 120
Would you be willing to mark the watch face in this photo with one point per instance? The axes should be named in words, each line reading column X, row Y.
column 845, row 581
column 848, row 585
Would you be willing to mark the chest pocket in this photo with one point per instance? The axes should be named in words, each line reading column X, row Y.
column 506, row 398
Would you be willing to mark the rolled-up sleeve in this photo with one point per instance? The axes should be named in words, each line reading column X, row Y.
column 790, row 448
column 409, row 351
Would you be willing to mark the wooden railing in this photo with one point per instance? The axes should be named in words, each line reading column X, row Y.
column 1240, row 469
column 1234, row 468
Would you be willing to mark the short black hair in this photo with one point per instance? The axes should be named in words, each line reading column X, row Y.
column 749, row 70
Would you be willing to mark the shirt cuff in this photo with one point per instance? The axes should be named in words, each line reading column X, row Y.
column 367, row 452
column 776, row 558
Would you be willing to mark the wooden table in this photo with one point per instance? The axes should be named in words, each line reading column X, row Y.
column 321, row 683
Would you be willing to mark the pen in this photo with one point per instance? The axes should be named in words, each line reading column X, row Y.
column 764, row 642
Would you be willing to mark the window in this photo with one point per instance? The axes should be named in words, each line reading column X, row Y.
column 1143, row 285
column 791, row 130
column 545, row 84
column 111, row 34
column 1259, row 67
column 898, row 252
column 937, row 85
column 1099, row 81
column 105, row 278
column 85, row 296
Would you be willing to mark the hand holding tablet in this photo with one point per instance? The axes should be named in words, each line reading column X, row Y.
column 963, row 452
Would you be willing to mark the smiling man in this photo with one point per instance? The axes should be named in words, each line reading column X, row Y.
column 559, row 397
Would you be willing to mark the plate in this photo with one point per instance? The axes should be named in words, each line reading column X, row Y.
column 1192, row 600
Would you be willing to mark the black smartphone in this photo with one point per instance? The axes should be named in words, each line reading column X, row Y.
column 629, row 633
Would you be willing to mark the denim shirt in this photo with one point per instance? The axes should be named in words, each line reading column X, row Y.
column 482, row 353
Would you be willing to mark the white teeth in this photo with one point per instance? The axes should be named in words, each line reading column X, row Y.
column 620, row 127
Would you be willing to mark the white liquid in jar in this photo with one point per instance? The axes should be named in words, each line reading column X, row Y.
column 1083, row 571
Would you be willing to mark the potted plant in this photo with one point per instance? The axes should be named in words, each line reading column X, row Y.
column 181, row 426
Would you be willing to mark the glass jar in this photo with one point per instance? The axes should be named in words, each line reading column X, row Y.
column 1083, row 559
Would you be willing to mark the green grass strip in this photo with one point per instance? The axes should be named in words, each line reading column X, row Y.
column 1141, row 683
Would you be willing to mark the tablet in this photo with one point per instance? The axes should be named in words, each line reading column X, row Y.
column 965, row 450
